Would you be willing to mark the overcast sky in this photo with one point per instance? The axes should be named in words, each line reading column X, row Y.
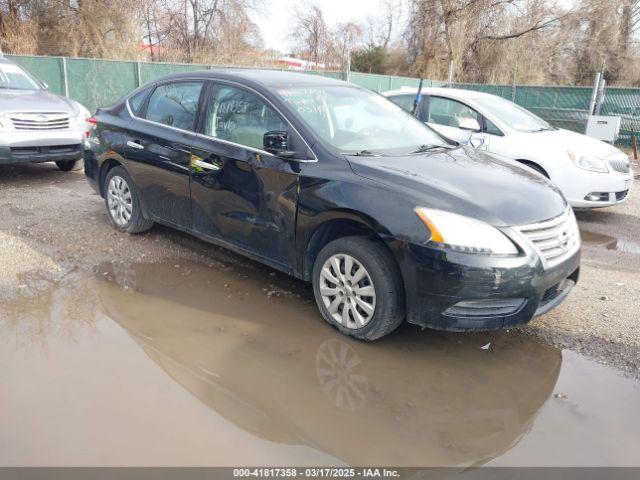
column 276, row 20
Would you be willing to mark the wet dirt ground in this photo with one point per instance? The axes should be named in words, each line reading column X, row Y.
column 162, row 350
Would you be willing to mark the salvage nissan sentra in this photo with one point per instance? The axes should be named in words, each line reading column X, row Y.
column 338, row 186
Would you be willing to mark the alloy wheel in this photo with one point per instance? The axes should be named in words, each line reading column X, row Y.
column 347, row 291
column 120, row 201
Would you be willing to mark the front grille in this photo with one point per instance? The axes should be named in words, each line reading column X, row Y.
column 555, row 240
column 620, row 164
column 40, row 121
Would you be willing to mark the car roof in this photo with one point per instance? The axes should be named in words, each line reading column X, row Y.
column 263, row 77
column 458, row 93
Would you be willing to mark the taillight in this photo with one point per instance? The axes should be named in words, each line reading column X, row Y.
column 91, row 125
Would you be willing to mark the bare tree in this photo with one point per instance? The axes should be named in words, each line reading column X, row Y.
column 310, row 33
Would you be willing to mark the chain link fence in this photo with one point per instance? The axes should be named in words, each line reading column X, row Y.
column 100, row 82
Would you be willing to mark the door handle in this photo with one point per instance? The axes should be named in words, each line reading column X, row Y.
column 181, row 148
column 135, row 145
column 205, row 165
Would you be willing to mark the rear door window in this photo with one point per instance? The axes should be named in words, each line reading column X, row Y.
column 175, row 104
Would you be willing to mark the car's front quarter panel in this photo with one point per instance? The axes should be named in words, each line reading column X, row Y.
column 433, row 279
column 333, row 192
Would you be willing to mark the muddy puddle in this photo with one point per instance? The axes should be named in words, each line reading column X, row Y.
column 189, row 364
column 595, row 239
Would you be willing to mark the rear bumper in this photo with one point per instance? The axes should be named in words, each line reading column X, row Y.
column 440, row 287
column 39, row 154
column 91, row 169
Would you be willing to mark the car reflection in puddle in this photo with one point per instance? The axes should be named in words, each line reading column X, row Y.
column 251, row 350
column 610, row 243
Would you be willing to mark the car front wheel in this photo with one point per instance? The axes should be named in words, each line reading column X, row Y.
column 68, row 165
column 358, row 288
column 123, row 203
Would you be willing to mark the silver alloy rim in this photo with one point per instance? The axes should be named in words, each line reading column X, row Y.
column 347, row 291
column 119, row 201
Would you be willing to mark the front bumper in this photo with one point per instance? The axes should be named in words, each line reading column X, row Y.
column 14, row 155
column 437, row 283
column 585, row 189
column 40, row 146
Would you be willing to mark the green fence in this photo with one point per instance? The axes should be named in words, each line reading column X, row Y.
column 95, row 83
column 383, row 83
column 100, row 82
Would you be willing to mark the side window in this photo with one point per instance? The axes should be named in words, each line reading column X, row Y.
column 403, row 101
column 239, row 116
column 444, row 111
column 135, row 102
column 175, row 104
column 491, row 128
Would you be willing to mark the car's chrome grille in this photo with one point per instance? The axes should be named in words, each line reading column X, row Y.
column 555, row 240
column 620, row 165
column 40, row 121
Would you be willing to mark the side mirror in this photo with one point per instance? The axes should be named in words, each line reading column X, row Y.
column 277, row 143
column 469, row 124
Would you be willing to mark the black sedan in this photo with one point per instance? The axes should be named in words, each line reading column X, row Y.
column 336, row 185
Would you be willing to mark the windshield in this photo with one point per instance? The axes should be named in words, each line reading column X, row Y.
column 512, row 115
column 358, row 121
column 12, row 76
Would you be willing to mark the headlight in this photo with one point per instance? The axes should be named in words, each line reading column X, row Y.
column 81, row 115
column 464, row 234
column 588, row 162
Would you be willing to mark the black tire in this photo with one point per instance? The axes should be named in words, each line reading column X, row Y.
column 68, row 165
column 137, row 223
column 389, row 311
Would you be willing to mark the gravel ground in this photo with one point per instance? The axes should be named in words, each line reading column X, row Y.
column 53, row 223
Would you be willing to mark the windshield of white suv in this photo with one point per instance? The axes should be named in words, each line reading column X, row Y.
column 12, row 76
column 513, row 115
column 360, row 122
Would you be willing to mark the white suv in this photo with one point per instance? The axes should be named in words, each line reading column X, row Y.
column 589, row 172
column 35, row 124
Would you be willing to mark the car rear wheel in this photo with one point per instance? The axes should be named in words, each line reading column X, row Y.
column 68, row 165
column 358, row 287
column 123, row 204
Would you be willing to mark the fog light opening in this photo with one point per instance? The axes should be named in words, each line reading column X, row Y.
column 486, row 307
column 597, row 197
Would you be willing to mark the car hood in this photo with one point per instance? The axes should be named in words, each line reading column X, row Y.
column 468, row 182
column 560, row 141
column 34, row 101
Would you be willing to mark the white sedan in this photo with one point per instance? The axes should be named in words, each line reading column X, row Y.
column 590, row 173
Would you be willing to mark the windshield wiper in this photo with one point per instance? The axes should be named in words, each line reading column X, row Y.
column 363, row 153
column 429, row 147
column 542, row 129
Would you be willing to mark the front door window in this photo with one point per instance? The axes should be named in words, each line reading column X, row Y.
column 450, row 113
column 241, row 117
